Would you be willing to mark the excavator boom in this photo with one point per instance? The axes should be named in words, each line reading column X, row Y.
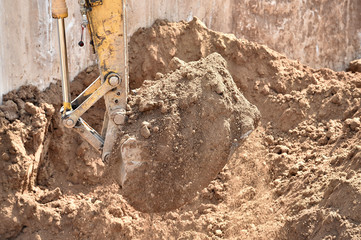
column 106, row 21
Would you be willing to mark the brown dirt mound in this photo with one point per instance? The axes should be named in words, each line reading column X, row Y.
column 186, row 126
column 296, row 177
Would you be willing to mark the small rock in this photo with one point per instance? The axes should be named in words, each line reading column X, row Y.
column 323, row 140
column 269, row 139
column 304, row 103
column 281, row 149
column 145, row 132
column 353, row 123
column 219, row 88
column 355, row 66
column 190, row 75
column 175, row 63
column 310, row 156
column 164, row 109
column 293, row 170
column 219, row 232
column 336, row 99
column 31, row 108
column 173, row 96
column 288, row 97
column 5, row 157
column 172, row 215
column 145, row 123
column 159, row 76
column 50, row 196
column 20, row 103
column 301, row 165
column 37, row 236
column 10, row 110
column 329, row 133
column 48, row 108
column 156, row 129
column 265, row 90
column 147, row 106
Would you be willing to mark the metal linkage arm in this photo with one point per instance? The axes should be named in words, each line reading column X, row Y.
column 86, row 93
column 71, row 118
column 89, row 134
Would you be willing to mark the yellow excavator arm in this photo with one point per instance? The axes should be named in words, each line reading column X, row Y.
column 106, row 23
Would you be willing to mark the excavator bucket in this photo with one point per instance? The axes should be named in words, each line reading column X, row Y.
column 180, row 133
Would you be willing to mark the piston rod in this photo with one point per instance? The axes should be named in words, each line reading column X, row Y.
column 65, row 82
column 60, row 11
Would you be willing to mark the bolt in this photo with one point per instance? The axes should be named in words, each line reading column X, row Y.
column 114, row 80
column 69, row 123
column 119, row 118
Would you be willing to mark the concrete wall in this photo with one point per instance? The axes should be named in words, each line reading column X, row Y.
column 320, row 33
column 215, row 13
column 29, row 44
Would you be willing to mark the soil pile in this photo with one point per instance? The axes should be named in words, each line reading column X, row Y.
column 297, row 176
column 182, row 130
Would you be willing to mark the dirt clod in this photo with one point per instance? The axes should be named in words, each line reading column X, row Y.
column 355, row 66
column 50, row 196
column 10, row 110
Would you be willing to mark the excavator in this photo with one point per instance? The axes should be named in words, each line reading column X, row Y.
column 106, row 22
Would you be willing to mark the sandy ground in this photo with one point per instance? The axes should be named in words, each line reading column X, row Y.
column 297, row 176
